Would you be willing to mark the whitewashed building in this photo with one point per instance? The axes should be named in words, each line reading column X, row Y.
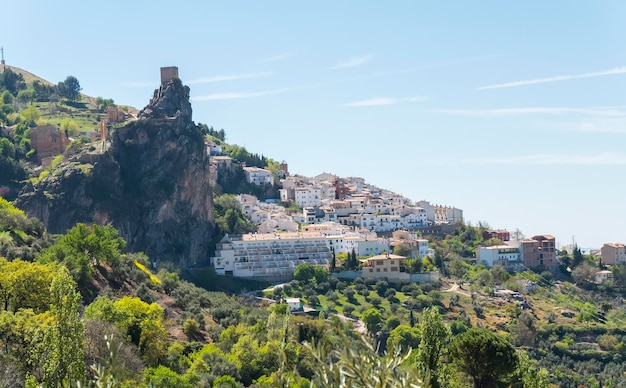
column 308, row 196
column 271, row 255
column 503, row 255
column 258, row 176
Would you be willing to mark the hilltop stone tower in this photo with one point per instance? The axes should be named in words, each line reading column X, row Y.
column 167, row 73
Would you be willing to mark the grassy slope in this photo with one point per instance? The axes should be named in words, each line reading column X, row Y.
column 28, row 77
column 83, row 112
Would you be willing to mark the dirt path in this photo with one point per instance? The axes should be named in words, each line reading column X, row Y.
column 457, row 289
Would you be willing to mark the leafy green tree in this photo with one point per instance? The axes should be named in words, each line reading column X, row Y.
column 26, row 95
column 84, row 248
column 435, row 335
column 11, row 81
column 104, row 103
column 404, row 337
column 619, row 275
column 229, row 215
column 352, row 261
column 30, row 115
column 413, row 265
column 403, row 249
column 142, row 322
column 164, row 377
column 355, row 363
column 372, row 319
column 304, row 272
column 64, row 342
column 529, row 375
column 191, row 328
column 577, row 256
column 6, row 97
column 25, row 285
column 484, row 356
column 70, row 88
column 392, row 323
column 70, row 127
column 458, row 268
column 584, row 275
column 43, row 92
column 225, row 382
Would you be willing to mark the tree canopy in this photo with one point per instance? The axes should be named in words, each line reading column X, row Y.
column 70, row 88
column 484, row 356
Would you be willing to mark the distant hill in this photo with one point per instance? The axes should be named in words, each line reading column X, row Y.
column 28, row 76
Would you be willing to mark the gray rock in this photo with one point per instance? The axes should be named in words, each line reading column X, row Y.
column 152, row 184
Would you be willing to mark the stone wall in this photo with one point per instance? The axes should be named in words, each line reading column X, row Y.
column 116, row 115
column 167, row 73
column 48, row 141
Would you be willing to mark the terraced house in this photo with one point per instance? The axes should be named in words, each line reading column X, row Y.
column 271, row 256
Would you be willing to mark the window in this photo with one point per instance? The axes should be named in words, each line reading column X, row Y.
column 377, row 269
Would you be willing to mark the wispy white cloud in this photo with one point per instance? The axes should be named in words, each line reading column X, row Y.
column 238, row 95
column 229, row 77
column 607, row 111
column 616, row 125
column 602, row 73
column 380, row 101
column 600, row 159
column 279, row 57
column 418, row 99
column 353, row 62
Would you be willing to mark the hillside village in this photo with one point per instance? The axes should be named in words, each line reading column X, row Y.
column 346, row 232
column 338, row 215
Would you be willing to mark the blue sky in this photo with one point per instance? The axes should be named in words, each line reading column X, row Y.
column 513, row 111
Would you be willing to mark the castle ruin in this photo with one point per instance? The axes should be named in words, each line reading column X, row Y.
column 167, row 73
column 48, row 141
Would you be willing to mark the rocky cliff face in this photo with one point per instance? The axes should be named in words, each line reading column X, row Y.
column 152, row 184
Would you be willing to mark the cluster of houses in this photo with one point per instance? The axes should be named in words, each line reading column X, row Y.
column 540, row 252
column 610, row 254
column 536, row 252
column 344, row 215
column 338, row 216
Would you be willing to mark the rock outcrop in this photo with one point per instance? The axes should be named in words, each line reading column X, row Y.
column 152, row 184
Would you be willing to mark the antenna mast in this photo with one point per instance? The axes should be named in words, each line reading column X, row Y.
column 2, row 51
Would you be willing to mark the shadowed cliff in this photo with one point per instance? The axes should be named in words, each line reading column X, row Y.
column 152, row 184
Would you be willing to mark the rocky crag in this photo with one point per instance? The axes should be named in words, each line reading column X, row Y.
column 152, row 184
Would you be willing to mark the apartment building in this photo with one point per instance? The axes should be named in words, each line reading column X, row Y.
column 537, row 252
column 271, row 255
column 308, row 196
column 613, row 254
